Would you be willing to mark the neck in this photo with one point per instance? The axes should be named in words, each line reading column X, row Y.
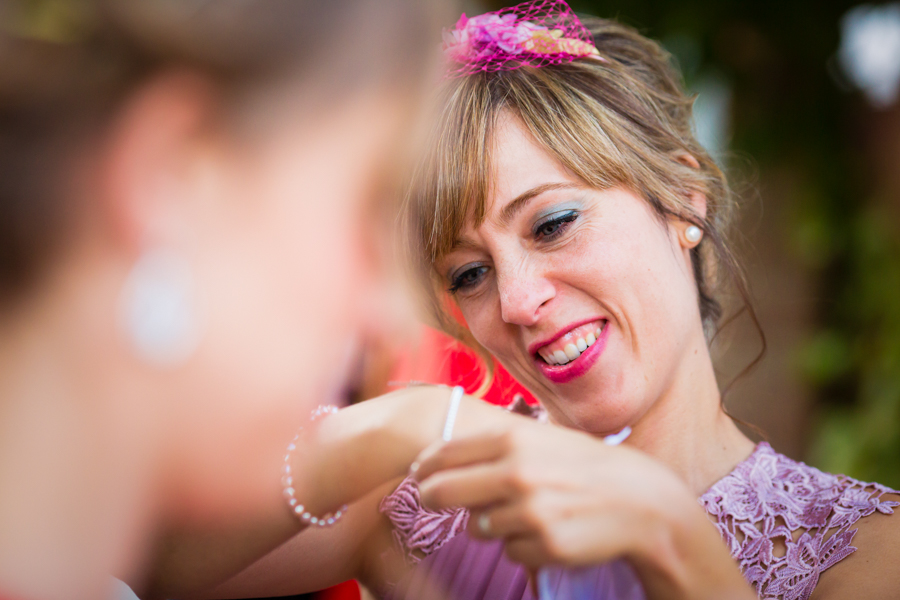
column 73, row 456
column 687, row 428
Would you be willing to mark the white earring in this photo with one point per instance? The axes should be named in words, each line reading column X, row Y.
column 693, row 234
column 157, row 309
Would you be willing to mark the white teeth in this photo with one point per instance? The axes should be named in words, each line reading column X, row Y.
column 572, row 350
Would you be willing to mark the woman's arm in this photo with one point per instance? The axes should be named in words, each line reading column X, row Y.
column 346, row 457
column 557, row 496
column 873, row 571
column 317, row 558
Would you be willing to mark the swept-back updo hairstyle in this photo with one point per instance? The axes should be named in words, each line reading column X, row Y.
column 622, row 119
column 66, row 65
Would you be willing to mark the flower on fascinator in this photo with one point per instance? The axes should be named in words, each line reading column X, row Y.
column 552, row 42
column 485, row 34
column 535, row 33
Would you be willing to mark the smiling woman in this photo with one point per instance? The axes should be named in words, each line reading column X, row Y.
column 573, row 220
column 559, row 147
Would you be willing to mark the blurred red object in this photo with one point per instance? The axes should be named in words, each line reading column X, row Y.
column 349, row 590
column 438, row 358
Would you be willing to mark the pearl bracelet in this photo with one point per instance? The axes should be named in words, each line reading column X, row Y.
column 287, row 480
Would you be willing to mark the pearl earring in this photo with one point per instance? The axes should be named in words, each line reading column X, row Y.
column 693, row 234
column 157, row 309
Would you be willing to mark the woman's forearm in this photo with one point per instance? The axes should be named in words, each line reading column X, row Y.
column 351, row 453
column 340, row 459
column 371, row 443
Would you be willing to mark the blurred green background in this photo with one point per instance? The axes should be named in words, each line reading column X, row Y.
column 817, row 163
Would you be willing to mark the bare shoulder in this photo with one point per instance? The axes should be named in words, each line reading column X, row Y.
column 873, row 571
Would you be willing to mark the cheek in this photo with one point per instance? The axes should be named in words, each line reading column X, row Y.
column 280, row 279
column 482, row 317
column 655, row 295
column 287, row 278
column 283, row 252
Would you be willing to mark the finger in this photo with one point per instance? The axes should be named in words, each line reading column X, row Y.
column 529, row 551
column 505, row 520
column 573, row 543
column 473, row 486
column 460, row 452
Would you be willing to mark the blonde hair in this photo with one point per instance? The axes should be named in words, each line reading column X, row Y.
column 621, row 120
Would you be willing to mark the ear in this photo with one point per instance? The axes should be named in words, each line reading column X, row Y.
column 149, row 159
column 689, row 235
column 698, row 200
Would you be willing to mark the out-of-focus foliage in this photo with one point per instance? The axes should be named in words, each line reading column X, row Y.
column 859, row 431
column 793, row 114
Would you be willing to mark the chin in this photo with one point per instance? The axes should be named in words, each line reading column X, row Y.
column 601, row 413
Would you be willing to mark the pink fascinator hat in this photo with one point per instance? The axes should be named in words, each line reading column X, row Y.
column 533, row 34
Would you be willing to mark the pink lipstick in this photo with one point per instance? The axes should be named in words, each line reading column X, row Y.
column 570, row 353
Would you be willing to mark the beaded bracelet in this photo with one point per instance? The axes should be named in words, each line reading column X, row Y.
column 288, row 480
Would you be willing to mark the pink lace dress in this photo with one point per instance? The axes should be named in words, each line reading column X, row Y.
column 784, row 522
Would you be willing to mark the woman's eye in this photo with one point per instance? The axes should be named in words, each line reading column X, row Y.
column 554, row 226
column 468, row 278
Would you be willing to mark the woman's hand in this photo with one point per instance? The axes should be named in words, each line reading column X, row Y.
column 557, row 496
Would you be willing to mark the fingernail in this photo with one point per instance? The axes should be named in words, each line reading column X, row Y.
column 413, row 469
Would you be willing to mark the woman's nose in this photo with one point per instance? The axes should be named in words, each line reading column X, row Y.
column 523, row 291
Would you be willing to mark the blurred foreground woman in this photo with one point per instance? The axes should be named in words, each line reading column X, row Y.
column 191, row 195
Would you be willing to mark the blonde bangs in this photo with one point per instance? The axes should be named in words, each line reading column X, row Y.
column 451, row 185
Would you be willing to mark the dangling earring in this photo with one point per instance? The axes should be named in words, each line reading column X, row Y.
column 157, row 309
column 693, row 234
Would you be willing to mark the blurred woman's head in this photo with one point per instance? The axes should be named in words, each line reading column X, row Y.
column 191, row 194
column 555, row 208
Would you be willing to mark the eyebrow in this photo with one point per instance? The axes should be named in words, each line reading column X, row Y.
column 510, row 210
column 459, row 244
column 518, row 203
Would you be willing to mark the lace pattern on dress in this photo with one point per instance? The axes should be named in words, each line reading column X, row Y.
column 786, row 522
column 418, row 531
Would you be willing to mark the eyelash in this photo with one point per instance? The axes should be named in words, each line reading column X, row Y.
column 558, row 224
column 458, row 283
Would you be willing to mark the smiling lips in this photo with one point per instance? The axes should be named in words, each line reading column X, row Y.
column 571, row 345
column 571, row 354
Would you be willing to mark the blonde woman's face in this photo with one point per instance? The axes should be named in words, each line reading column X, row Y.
column 584, row 295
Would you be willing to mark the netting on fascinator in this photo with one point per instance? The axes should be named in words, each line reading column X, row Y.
column 534, row 34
